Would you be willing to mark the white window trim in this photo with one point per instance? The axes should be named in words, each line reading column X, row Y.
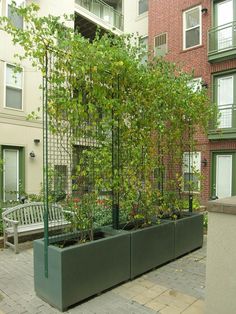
column 8, row 2
column 183, row 170
column 5, row 86
column 4, row 171
column 144, row 14
column 184, row 27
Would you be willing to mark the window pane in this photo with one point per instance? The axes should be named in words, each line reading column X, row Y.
column 191, row 182
column 13, row 98
column 11, row 183
column 224, row 12
column 225, row 91
column 192, row 18
column 142, row 6
column 16, row 19
column 195, row 160
column 193, row 37
column 13, row 79
column 225, row 99
column 224, row 16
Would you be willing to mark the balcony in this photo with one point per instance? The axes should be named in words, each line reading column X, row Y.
column 104, row 11
column 222, row 42
column 225, row 127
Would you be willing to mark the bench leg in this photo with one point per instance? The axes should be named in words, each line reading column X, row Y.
column 5, row 239
column 15, row 240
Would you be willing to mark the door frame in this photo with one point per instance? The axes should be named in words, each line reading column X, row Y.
column 17, row 171
column 214, row 20
column 215, row 16
column 213, row 170
column 21, row 172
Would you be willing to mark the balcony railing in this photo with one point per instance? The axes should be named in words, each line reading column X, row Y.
column 226, row 122
column 222, row 38
column 104, row 12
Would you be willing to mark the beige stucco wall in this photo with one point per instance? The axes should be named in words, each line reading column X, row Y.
column 134, row 23
column 15, row 130
column 221, row 261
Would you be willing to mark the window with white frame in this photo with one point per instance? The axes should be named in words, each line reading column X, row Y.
column 192, row 27
column 15, row 18
column 142, row 6
column 191, row 171
column 14, row 83
column 195, row 84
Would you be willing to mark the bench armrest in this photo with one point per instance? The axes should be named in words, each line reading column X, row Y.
column 14, row 222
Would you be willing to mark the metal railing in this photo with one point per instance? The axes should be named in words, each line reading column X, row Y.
column 222, row 38
column 104, row 11
column 226, row 118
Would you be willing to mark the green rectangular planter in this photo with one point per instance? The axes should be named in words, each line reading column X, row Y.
column 188, row 233
column 81, row 271
column 151, row 247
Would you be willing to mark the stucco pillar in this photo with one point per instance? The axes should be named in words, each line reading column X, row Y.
column 221, row 257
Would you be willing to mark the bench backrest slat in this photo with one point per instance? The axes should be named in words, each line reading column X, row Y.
column 31, row 213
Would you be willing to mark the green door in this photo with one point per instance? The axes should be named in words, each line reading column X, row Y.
column 223, row 178
column 12, row 172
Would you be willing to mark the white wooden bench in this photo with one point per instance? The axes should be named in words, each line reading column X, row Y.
column 28, row 219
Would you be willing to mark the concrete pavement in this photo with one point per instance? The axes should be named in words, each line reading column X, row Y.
column 178, row 287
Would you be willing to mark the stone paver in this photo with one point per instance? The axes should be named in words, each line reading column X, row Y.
column 177, row 287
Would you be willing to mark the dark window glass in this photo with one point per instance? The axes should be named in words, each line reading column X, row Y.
column 142, row 6
column 13, row 98
column 193, row 37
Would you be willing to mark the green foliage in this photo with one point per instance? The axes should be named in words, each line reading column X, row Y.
column 146, row 115
column 205, row 221
column 1, row 226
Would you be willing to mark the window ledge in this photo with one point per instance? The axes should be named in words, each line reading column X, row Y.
column 192, row 192
column 191, row 48
column 14, row 109
column 142, row 16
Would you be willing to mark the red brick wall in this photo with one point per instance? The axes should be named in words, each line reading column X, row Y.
column 167, row 16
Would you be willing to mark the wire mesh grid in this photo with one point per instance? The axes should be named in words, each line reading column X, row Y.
column 97, row 169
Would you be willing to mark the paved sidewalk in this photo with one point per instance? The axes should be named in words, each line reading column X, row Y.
column 177, row 287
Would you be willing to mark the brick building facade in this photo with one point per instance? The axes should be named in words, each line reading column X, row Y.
column 200, row 35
